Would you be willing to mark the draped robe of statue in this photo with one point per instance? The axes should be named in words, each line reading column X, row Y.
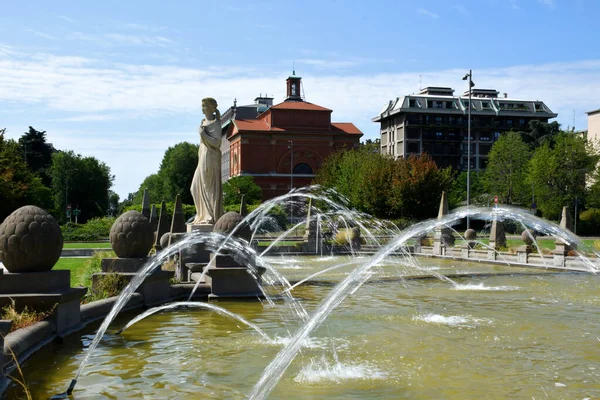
column 206, row 186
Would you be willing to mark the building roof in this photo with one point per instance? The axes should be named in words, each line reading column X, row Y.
column 493, row 105
column 346, row 127
column 259, row 125
column 299, row 105
column 593, row 112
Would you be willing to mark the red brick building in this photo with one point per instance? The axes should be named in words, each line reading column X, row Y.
column 287, row 142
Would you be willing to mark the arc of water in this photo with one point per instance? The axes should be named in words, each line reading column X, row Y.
column 125, row 295
column 198, row 304
column 281, row 362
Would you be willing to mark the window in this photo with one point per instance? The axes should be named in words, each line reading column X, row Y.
column 509, row 122
column 485, row 105
column 522, row 121
column 427, row 119
column 302, row 168
column 438, row 120
column 485, row 137
column 293, row 89
column 449, row 104
column 496, row 136
column 439, row 135
column 412, row 147
column 412, row 103
column 451, row 119
column 452, row 135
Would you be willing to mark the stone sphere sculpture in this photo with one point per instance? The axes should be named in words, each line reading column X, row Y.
column 131, row 235
column 470, row 234
column 30, row 240
column 229, row 221
column 527, row 236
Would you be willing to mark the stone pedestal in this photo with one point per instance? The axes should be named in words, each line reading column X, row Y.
column 44, row 291
column 156, row 288
column 200, row 228
column 5, row 357
column 230, row 279
column 561, row 251
column 523, row 252
column 123, row 264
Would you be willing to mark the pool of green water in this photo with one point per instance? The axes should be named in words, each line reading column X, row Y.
column 514, row 333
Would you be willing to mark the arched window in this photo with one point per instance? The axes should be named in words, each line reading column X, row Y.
column 303, row 168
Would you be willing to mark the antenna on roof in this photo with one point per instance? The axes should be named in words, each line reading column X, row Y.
column 293, row 68
column 420, row 82
column 573, row 120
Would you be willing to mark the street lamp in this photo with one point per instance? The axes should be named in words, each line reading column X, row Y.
column 469, row 76
column 291, row 147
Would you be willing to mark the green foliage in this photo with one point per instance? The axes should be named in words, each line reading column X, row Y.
column 188, row 210
column 559, row 174
column 506, row 169
column 94, row 229
column 589, row 222
column 83, row 182
column 457, row 194
column 113, row 203
column 174, row 176
column 274, row 221
column 541, row 133
column 384, row 187
column 37, row 153
column 239, row 186
column 18, row 185
column 92, row 265
column 107, row 285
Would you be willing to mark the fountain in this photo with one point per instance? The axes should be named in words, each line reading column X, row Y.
column 375, row 324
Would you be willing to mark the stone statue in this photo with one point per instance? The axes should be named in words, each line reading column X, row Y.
column 206, row 185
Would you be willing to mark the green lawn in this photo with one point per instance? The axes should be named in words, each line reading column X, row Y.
column 87, row 245
column 72, row 264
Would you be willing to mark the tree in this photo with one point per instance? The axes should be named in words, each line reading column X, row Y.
column 383, row 187
column 457, row 194
column 372, row 146
column 83, row 182
column 177, row 171
column 113, row 203
column 237, row 186
column 174, row 175
column 37, row 153
column 18, row 185
column 156, row 190
column 418, row 183
column 558, row 174
column 506, row 169
column 540, row 133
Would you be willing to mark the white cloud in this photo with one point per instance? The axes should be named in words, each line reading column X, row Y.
column 41, row 34
column 427, row 12
column 76, row 89
column 118, row 39
column 69, row 20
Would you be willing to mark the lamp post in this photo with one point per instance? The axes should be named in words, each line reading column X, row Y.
column 469, row 76
column 291, row 147
column 67, row 192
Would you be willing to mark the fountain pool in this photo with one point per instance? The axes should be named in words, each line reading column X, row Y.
column 498, row 331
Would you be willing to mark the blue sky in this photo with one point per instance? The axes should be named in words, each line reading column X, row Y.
column 122, row 81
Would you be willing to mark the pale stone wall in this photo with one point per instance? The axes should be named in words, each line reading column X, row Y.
column 594, row 128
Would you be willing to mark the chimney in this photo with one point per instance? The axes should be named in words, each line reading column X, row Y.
column 505, row 94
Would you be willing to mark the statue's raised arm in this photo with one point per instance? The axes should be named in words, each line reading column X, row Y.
column 206, row 184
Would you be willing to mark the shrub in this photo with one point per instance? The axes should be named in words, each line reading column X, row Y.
column 23, row 318
column 188, row 210
column 589, row 222
column 107, row 285
column 94, row 229
column 91, row 267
